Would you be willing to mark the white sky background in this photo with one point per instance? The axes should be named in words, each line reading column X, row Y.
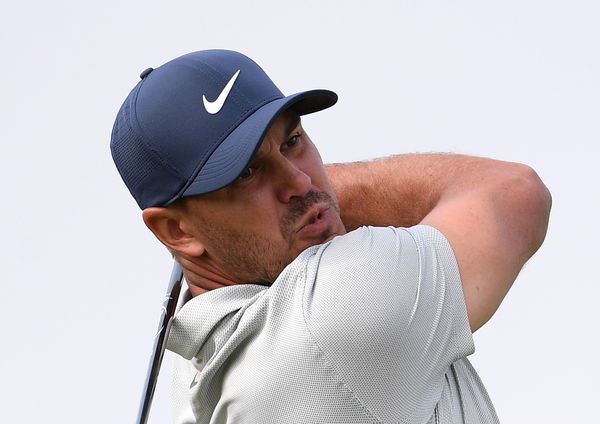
column 83, row 279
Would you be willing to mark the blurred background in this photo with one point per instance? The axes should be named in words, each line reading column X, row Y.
column 83, row 279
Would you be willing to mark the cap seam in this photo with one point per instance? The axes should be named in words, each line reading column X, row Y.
column 145, row 137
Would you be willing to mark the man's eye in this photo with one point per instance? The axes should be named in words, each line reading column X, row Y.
column 292, row 141
column 248, row 172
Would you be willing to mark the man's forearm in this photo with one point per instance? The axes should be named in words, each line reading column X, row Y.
column 402, row 190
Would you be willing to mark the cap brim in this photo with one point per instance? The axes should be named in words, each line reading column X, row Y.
column 234, row 154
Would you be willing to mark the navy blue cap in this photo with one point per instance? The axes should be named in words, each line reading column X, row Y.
column 192, row 125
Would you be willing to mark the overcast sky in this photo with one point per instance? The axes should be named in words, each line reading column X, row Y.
column 83, row 279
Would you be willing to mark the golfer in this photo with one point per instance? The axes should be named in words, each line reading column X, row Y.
column 317, row 294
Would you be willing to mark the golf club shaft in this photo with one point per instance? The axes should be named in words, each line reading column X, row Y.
column 168, row 310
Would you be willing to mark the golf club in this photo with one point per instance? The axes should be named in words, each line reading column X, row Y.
column 168, row 310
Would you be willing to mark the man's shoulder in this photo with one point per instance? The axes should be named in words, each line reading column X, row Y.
column 385, row 266
column 381, row 243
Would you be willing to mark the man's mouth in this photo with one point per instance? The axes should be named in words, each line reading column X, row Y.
column 315, row 221
column 309, row 216
column 315, row 213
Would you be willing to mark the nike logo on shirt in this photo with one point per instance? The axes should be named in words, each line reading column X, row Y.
column 215, row 106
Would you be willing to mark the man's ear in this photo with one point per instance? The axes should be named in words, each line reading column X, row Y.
column 165, row 223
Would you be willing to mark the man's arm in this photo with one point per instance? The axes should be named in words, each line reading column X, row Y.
column 493, row 213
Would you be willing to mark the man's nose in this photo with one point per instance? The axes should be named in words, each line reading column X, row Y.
column 293, row 182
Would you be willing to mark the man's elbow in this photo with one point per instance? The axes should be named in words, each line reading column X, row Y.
column 536, row 202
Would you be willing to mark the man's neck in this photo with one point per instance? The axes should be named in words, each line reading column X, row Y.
column 203, row 275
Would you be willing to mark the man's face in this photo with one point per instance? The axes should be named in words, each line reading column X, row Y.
column 283, row 203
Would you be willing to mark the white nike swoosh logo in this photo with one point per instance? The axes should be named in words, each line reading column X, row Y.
column 215, row 107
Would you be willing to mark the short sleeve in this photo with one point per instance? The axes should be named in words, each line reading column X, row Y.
column 386, row 307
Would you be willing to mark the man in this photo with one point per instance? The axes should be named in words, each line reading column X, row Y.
column 340, row 294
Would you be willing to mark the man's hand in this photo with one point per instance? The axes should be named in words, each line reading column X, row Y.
column 494, row 214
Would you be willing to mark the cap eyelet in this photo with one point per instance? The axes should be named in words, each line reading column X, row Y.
column 146, row 72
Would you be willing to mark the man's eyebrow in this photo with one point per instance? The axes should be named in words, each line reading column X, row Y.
column 292, row 124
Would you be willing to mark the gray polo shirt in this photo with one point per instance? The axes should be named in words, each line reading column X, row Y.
column 370, row 327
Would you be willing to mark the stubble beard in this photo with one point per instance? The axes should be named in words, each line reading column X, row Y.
column 253, row 257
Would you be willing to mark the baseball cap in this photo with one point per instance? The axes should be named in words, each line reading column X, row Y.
column 192, row 125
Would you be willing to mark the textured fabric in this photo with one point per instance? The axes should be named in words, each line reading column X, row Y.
column 370, row 327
